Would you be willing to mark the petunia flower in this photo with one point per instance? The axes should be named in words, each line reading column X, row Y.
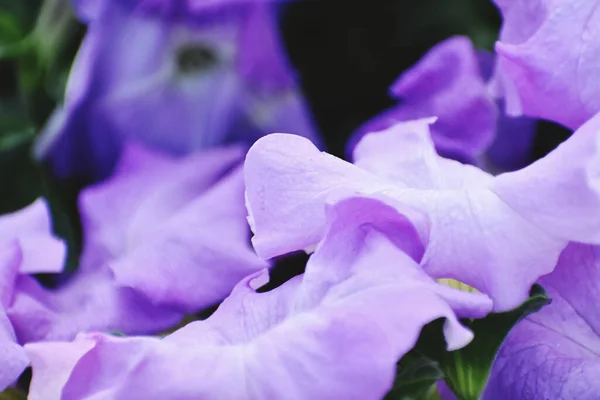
column 547, row 59
column 163, row 237
column 177, row 76
column 555, row 353
column 335, row 332
column 451, row 82
column 27, row 246
column 496, row 234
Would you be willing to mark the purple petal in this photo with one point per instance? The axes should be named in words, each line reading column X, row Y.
column 90, row 301
column 150, row 188
column 470, row 234
column 198, row 254
column 512, row 147
column 14, row 359
column 31, row 227
column 62, row 357
column 262, row 60
column 446, row 83
column 513, row 142
column 555, row 353
column 547, row 54
column 287, row 183
column 88, row 9
column 11, row 257
column 12, row 356
column 560, row 193
column 288, row 342
column 162, row 239
column 172, row 236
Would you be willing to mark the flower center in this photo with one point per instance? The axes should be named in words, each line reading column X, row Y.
column 195, row 57
column 453, row 283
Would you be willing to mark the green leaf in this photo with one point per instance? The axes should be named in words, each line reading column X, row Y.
column 12, row 394
column 466, row 370
column 12, row 140
column 416, row 378
column 10, row 30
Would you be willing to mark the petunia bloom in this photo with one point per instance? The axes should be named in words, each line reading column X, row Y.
column 177, row 77
column 163, row 237
column 328, row 334
column 450, row 82
column 547, row 59
column 555, row 353
column 27, row 246
column 496, row 234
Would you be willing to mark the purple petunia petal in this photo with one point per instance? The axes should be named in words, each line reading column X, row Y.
column 555, row 353
column 90, row 301
column 200, row 253
column 547, row 52
column 62, row 357
column 561, row 192
column 477, row 232
column 450, row 82
column 462, row 210
column 162, row 238
column 445, row 83
column 13, row 359
column 31, row 227
column 27, row 246
column 287, row 342
column 151, row 188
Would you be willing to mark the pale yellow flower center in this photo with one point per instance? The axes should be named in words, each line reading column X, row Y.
column 453, row 283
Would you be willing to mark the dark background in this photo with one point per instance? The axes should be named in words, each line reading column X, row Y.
column 348, row 53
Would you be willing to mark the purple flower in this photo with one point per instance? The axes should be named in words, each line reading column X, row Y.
column 31, row 230
column 177, row 76
column 26, row 247
column 547, row 59
column 328, row 334
column 163, row 237
column 450, row 82
column 496, row 234
column 555, row 353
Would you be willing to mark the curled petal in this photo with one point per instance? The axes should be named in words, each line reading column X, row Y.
column 31, row 226
column 288, row 342
column 560, row 193
column 203, row 249
column 453, row 206
column 547, row 52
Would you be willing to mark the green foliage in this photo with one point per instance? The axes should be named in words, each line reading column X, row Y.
column 38, row 41
column 466, row 370
column 12, row 394
column 416, row 378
